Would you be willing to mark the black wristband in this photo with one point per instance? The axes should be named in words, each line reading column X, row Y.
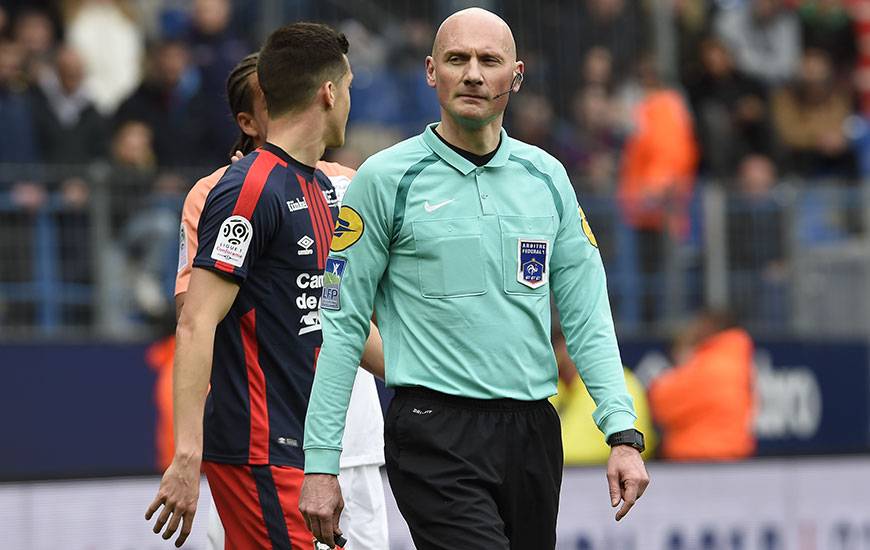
column 632, row 438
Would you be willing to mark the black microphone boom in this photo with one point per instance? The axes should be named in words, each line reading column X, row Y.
column 518, row 77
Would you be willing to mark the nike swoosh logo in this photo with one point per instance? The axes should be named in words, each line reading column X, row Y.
column 433, row 207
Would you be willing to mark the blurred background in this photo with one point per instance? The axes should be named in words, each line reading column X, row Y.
column 720, row 150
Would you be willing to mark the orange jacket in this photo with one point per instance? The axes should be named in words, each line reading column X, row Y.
column 659, row 164
column 159, row 357
column 705, row 407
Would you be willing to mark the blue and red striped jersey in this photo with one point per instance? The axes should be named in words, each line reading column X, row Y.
column 267, row 224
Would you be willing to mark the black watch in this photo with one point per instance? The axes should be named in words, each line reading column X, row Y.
column 632, row 438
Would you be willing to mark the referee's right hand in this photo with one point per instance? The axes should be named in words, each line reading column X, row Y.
column 321, row 504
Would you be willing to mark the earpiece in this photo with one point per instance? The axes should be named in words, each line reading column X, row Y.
column 518, row 77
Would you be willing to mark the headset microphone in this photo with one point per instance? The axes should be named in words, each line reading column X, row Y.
column 518, row 77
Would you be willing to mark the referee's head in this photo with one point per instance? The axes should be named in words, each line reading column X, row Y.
column 474, row 66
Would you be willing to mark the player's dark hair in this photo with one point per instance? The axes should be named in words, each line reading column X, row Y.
column 295, row 61
column 241, row 98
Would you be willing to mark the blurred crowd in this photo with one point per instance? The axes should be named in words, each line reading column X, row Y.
column 755, row 92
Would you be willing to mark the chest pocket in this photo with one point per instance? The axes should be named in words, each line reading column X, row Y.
column 449, row 257
column 527, row 245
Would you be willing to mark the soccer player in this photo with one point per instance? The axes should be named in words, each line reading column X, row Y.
column 235, row 326
column 364, row 521
column 457, row 238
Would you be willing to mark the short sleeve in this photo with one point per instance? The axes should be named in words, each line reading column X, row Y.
column 236, row 227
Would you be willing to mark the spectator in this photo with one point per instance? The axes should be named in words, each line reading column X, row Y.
column 106, row 34
column 376, row 94
column 133, row 166
column 809, row 117
column 756, row 245
column 731, row 109
column 658, row 170
column 597, row 135
column 826, row 25
column 616, row 26
column 4, row 21
column 35, row 33
column 69, row 129
column 21, row 195
column 705, row 405
column 17, row 144
column 170, row 102
column 598, row 68
column 765, row 39
column 215, row 50
column 131, row 178
column 414, row 104
column 74, row 237
column 575, row 406
column 534, row 121
column 150, row 241
column 692, row 19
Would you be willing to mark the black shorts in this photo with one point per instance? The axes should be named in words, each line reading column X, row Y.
column 474, row 473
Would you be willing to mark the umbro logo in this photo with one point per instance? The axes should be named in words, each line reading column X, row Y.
column 305, row 246
column 433, row 207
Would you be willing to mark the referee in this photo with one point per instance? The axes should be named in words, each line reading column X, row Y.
column 456, row 240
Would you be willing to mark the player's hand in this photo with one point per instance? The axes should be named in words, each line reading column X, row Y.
column 237, row 156
column 178, row 494
column 321, row 504
column 627, row 478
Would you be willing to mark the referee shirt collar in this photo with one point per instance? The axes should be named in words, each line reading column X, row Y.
column 459, row 162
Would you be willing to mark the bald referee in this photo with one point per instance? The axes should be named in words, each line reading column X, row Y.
column 456, row 239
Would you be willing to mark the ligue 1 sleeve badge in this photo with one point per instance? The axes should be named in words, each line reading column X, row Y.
column 587, row 229
column 533, row 262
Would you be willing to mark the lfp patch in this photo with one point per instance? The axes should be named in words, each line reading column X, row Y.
column 331, row 297
column 533, row 263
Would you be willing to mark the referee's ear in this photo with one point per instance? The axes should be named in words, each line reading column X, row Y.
column 430, row 71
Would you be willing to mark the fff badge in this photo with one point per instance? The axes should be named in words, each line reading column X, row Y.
column 532, row 263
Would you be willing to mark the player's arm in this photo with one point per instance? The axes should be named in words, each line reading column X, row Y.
column 373, row 353
column 210, row 297
column 579, row 286
column 354, row 270
column 179, row 305
column 232, row 233
column 187, row 244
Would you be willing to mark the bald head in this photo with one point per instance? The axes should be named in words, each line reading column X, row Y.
column 483, row 25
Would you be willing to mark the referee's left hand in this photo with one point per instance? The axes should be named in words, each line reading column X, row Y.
column 321, row 504
column 627, row 478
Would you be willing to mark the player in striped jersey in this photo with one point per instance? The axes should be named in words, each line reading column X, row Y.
column 254, row 228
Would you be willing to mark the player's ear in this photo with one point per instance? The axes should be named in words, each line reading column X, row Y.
column 430, row 71
column 247, row 124
column 328, row 91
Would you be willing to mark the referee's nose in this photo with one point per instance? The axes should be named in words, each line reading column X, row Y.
column 473, row 76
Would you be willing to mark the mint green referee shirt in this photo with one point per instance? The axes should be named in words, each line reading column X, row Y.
column 458, row 263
